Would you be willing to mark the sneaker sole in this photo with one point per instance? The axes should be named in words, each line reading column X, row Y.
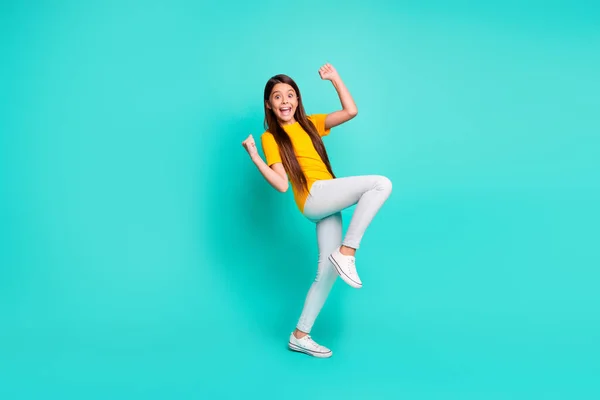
column 342, row 275
column 310, row 353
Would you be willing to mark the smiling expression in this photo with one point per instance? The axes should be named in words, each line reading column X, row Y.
column 283, row 101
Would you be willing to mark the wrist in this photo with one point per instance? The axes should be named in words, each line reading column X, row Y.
column 255, row 158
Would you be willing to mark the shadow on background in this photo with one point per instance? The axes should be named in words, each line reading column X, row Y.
column 261, row 247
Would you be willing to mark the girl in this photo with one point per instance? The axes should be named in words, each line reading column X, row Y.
column 295, row 152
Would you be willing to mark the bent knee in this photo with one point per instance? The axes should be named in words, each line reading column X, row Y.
column 384, row 184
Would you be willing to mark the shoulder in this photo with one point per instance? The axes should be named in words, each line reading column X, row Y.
column 266, row 134
column 267, row 139
column 319, row 121
column 316, row 117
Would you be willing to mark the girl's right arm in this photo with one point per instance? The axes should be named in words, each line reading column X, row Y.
column 275, row 175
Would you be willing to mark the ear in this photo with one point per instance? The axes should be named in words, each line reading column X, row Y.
column 267, row 104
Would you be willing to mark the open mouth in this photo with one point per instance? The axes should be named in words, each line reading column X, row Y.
column 285, row 111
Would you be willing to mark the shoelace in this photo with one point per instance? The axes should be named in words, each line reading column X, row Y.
column 352, row 263
column 311, row 341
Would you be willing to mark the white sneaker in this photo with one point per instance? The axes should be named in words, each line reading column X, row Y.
column 308, row 346
column 346, row 268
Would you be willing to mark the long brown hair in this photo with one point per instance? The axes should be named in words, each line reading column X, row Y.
column 286, row 150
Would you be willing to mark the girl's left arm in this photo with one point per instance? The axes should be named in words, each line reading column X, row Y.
column 349, row 109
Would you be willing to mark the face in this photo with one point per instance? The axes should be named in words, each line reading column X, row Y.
column 283, row 101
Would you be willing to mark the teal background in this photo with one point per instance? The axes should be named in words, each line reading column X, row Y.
column 143, row 256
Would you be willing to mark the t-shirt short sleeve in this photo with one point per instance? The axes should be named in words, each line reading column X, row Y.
column 270, row 148
column 319, row 121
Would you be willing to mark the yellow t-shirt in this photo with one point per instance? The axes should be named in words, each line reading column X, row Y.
column 311, row 164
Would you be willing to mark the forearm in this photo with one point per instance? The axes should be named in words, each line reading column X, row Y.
column 277, row 181
column 346, row 99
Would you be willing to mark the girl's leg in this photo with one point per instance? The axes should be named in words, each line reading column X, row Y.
column 329, row 237
column 368, row 192
column 327, row 197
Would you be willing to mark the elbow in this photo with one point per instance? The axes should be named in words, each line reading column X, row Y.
column 283, row 187
column 353, row 112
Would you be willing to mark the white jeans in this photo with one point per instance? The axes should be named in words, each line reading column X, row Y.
column 326, row 200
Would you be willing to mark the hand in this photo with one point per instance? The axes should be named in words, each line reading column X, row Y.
column 327, row 72
column 250, row 146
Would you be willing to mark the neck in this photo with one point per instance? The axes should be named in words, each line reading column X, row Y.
column 290, row 122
